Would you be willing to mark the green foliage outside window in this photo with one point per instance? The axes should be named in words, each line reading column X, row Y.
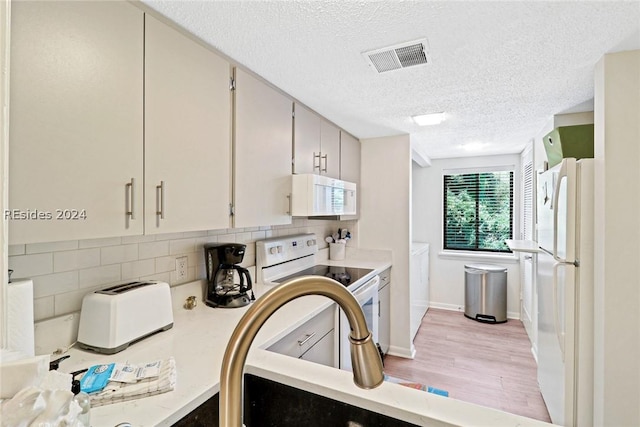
column 478, row 211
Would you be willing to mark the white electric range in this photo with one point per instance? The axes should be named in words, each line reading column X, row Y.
column 279, row 259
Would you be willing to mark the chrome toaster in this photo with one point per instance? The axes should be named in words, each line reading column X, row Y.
column 117, row 316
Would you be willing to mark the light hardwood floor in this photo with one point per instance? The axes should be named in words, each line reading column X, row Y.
column 486, row 364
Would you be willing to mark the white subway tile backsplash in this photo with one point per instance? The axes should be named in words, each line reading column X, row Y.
column 64, row 272
column 227, row 238
column 57, row 283
column 135, row 269
column 169, row 236
column 192, row 234
column 38, row 248
column 164, row 264
column 118, row 254
column 182, row 246
column 138, row 239
column 16, row 250
column 201, row 271
column 258, row 235
column 24, row 266
column 243, row 237
column 92, row 277
column 195, row 258
column 75, row 260
column 200, row 242
column 70, row 301
column 43, row 308
column 161, row 277
column 153, row 249
column 98, row 243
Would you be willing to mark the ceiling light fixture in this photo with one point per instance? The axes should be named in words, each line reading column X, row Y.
column 429, row 119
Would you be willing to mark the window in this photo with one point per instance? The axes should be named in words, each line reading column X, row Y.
column 478, row 211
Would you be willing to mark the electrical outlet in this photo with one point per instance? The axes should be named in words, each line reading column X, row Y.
column 181, row 268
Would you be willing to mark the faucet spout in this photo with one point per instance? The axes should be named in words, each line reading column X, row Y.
column 367, row 366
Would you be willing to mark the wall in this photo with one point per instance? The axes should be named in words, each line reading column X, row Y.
column 5, row 19
column 617, row 240
column 386, row 190
column 446, row 270
column 63, row 272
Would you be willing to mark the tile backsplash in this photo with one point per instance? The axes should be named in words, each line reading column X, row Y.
column 63, row 272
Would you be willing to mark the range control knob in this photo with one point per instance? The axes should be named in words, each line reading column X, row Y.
column 311, row 242
column 273, row 250
column 280, row 248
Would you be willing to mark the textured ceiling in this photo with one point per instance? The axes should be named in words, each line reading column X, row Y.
column 500, row 70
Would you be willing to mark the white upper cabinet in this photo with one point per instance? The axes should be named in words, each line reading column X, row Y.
column 330, row 149
column 262, row 158
column 306, row 139
column 316, row 144
column 187, row 133
column 349, row 158
column 76, row 120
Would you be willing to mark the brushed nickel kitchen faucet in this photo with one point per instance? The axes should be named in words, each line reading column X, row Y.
column 365, row 359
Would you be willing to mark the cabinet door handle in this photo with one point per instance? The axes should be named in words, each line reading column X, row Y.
column 325, row 163
column 131, row 198
column 160, row 200
column 304, row 341
column 289, row 211
column 378, row 308
column 316, row 156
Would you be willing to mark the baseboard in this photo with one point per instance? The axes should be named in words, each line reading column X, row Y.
column 534, row 351
column 460, row 308
column 402, row 352
column 443, row 306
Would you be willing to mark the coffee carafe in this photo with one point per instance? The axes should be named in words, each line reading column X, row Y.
column 222, row 261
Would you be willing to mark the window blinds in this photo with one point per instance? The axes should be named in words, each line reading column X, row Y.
column 478, row 211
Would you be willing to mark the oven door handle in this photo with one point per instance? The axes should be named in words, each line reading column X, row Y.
column 372, row 283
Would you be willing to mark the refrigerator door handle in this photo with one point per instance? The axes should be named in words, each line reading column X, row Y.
column 568, row 172
column 556, row 313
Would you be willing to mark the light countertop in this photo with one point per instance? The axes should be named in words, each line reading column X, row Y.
column 523, row 246
column 198, row 340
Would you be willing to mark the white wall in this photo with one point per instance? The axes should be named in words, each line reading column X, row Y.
column 447, row 271
column 617, row 240
column 385, row 223
column 5, row 19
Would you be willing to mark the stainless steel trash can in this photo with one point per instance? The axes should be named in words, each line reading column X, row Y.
column 485, row 293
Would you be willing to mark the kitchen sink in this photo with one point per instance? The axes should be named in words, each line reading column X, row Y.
column 269, row 403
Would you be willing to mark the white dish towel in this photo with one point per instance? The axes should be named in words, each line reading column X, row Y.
column 120, row 392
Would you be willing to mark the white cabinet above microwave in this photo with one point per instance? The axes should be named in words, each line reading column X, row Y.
column 316, row 195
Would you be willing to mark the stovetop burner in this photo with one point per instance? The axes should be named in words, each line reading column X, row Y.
column 344, row 275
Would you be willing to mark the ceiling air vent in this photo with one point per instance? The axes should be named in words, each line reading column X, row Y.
column 399, row 56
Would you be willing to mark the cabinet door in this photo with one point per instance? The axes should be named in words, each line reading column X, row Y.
column 306, row 141
column 187, row 133
column 330, row 149
column 262, row 155
column 349, row 158
column 323, row 352
column 350, row 167
column 76, row 120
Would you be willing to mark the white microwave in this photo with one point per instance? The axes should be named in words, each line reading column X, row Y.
column 317, row 195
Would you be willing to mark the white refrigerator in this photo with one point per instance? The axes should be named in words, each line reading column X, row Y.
column 564, row 280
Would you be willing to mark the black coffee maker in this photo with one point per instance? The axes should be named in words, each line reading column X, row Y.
column 222, row 261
